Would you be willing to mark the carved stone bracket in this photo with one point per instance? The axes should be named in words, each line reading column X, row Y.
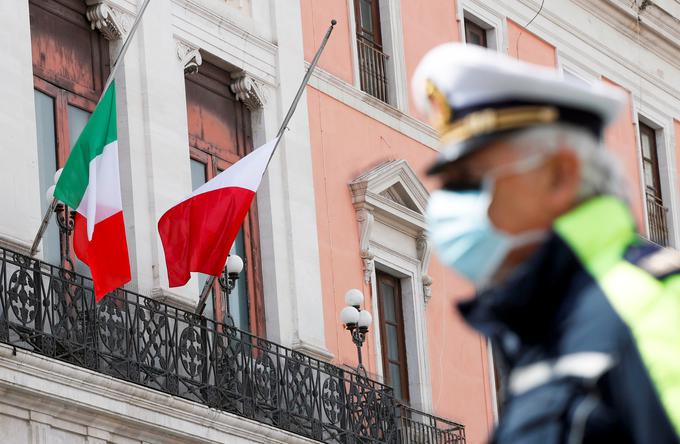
column 427, row 289
column 424, row 249
column 365, row 219
column 247, row 91
column 113, row 22
column 189, row 56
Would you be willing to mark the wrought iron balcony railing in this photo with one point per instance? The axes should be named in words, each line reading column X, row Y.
column 51, row 311
column 657, row 215
column 419, row 427
column 372, row 68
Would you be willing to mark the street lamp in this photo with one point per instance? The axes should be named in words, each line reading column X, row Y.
column 357, row 321
column 228, row 282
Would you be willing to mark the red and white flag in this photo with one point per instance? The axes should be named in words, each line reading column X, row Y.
column 197, row 233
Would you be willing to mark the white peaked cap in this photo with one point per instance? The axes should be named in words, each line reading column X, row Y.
column 472, row 78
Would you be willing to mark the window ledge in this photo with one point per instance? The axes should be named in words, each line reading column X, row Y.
column 372, row 107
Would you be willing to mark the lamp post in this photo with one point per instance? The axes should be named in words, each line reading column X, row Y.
column 357, row 321
column 228, row 282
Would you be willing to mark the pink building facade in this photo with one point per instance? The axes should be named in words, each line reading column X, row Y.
column 358, row 130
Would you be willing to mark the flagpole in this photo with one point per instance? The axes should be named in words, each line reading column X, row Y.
column 109, row 79
column 126, row 45
column 209, row 283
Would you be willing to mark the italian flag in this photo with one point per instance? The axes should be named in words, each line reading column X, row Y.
column 90, row 183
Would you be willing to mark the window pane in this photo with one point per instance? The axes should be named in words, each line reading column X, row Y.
column 474, row 39
column 392, row 342
column 47, row 165
column 649, row 174
column 389, row 310
column 198, row 176
column 646, row 145
column 238, row 299
column 77, row 119
column 366, row 16
column 475, row 34
column 395, row 380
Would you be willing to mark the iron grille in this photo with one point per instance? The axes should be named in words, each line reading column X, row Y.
column 657, row 216
column 419, row 427
column 372, row 68
column 51, row 311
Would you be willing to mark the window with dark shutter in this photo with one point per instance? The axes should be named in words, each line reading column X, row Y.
column 220, row 135
column 656, row 212
column 372, row 59
column 70, row 65
column 475, row 34
column 392, row 339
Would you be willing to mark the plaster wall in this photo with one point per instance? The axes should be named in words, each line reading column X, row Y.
column 621, row 139
column 347, row 144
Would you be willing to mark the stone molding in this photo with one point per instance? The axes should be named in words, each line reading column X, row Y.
column 248, row 90
column 230, row 38
column 174, row 299
column 189, row 56
column 370, row 200
column 111, row 20
column 92, row 400
column 11, row 243
column 365, row 103
column 312, row 350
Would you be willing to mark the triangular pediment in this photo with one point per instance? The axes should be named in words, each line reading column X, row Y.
column 398, row 194
column 392, row 186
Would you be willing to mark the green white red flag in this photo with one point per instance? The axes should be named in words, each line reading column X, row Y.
column 90, row 183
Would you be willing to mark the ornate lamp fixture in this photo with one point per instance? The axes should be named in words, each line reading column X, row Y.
column 228, row 282
column 357, row 321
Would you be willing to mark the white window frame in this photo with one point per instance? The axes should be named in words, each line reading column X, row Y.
column 489, row 19
column 392, row 239
column 663, row 129
column 566, row 62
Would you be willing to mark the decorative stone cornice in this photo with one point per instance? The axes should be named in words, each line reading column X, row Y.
column 392, row 193
column 76, row 395
column 113, row 22
column 189, row 55
column 247, row 91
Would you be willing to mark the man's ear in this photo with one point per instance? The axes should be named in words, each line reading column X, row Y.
column 565, row 169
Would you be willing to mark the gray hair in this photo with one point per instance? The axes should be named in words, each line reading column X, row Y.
column 601, row 173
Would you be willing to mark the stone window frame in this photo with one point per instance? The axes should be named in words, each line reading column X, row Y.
column 380, row 217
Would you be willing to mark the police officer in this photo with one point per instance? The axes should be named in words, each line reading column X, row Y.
column 583, row 313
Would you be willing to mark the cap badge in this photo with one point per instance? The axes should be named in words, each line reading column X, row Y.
column 440, row 111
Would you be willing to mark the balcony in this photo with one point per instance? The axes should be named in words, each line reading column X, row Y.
column 657, row 215
column 51, row 311
column 372, row 68
column 419, row 427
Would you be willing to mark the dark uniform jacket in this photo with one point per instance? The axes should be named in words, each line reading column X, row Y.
column 588, row 331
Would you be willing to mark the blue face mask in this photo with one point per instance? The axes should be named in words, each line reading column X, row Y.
column 464, row 236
